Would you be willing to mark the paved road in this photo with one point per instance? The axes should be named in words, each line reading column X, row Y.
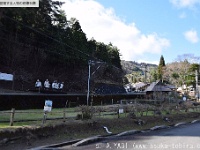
column 184, row 137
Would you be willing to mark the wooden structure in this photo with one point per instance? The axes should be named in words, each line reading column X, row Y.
column 157, row 90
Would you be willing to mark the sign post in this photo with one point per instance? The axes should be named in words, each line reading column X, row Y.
column 47, row 108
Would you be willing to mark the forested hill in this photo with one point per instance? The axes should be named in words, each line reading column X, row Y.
column 43, row 43
column 132, row 66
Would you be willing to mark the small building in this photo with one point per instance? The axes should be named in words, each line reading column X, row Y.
column 135, row 87
column 102, row 88
column 139, row 86
column 157, row 90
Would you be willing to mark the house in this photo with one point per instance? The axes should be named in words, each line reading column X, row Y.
column 103, row 88
column 157, row 90
column 139, row 86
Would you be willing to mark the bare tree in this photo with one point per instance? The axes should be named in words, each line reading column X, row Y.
column 176, row 72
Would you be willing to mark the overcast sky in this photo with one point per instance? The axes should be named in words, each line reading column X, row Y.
column 143, row 30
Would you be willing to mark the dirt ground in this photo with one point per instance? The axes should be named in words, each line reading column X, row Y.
column 27, row 137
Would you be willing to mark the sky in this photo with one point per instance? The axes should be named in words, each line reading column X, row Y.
column 142, row 30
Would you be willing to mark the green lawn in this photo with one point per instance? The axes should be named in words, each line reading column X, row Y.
column 35, row 116
column 24, row 117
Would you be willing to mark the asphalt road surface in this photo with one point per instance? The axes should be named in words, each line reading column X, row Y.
column 184, row 137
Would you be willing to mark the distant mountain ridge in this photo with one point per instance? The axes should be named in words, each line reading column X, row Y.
column 132, row 66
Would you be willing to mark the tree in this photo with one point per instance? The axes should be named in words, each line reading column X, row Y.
column 26, row 32
column 41, row 41
column 114, row 56
column 194, row 67
column 189, row 57
column 154, row 75
column 161, row 68
column 177, row 73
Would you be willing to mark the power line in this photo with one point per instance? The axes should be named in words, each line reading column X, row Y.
column 34, row 40
column 30, row 46
column 60, row 42
column 24, row 37
column 47, row 35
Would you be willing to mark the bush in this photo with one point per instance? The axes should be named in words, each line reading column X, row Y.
column 87, row 112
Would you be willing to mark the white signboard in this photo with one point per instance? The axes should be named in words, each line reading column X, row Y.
column 48, row 103
column 121, row 111
column 48, row 106
column 5, row 76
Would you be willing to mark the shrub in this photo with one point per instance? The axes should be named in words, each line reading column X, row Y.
column 87, row 112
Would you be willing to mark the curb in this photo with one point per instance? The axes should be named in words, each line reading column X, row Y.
column 180, row 123
column 55, row 145
column 195, row 121
column 96, row 138
column 88, row 140
column 130, row 132
column 159, row 127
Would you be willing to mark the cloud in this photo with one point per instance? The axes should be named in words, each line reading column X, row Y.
column 148, row 62
column 185, row 3
column 105, row 26
column 191, row 36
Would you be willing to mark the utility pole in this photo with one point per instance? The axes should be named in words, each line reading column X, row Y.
column 88, row 92
column 197, row 86
column 145, row 73
column 90, row 62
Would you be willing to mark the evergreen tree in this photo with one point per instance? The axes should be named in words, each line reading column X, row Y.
column 161, row 67
column 40, row 41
